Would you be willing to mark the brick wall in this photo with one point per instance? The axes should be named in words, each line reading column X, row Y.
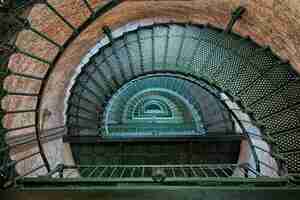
column 268, row 22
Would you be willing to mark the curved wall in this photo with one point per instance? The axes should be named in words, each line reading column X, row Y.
column 268, row 22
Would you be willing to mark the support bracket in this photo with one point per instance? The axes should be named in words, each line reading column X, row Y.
column 235, row 15
column 107, row 31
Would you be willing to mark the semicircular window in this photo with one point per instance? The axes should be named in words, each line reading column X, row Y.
column 154, row 106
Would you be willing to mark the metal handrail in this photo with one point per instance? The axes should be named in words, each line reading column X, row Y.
column 136, row 172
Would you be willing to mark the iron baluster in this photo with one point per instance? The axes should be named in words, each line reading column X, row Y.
column 235, row 15
column 103, row 77
column 166, row 48
column 108, row 33
column 140, row 50
column 103, row 171
column 129, row 56
column 152, row 49
column 181, row 46
column 93, row 171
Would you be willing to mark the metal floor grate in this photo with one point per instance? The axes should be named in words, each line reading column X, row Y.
column 156, row 173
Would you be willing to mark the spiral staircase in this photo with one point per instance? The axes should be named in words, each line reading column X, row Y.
column 173, row 110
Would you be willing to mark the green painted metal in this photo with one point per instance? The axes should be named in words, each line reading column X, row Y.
column 50, row 184
column 158, row 128
column 216, row 57
column 140, row 51
column 150, row 151
column 107, row 31
column 249, row 91
column 236, row 14
column 156, row 192
column 167, row 139
column 147, row 173
column 127, row 108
